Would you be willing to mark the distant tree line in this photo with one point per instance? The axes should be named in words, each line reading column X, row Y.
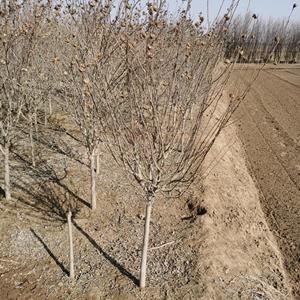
column 256, row 40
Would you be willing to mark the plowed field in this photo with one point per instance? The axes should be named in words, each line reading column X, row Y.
column 269, row 122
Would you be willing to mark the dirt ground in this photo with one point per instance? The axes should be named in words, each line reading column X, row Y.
column 269, row 126
column 241, row 254
column 212, row 243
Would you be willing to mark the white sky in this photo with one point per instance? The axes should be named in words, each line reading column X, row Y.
column 264, row 8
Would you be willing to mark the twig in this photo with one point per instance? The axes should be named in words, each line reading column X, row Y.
column 8, row 260
column 163, row 245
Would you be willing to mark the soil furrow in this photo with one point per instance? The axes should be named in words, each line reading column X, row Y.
column 269, row 128
column 286, row 77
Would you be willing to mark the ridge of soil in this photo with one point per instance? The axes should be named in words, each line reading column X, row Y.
column 241, row 258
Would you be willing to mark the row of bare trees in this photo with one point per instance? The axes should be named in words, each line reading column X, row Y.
column 126, row 75
column 257, row 39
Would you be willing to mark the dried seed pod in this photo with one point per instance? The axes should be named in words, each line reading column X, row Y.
column 150, row 54
column 81, row 68
column 152, row 36
column 55, row 60
column 188, row 54
column 254, row 16
column 294, row 5
column 86, row 81
column 123, row 39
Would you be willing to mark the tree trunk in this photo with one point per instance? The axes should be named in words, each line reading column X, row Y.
column 50, row 107
column 7, row 172
column 71, row 246
column 46, row 116
column 93, row 181
column 32, row 145
column 36, row 125
column 98, row 163
column 145, row 245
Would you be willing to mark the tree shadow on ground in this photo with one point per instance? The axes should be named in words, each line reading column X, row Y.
column 41, row 173
column 60, row 264
column 47, row 202
column 116, row 264
column 58, row 141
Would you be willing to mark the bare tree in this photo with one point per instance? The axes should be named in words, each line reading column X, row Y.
column 161, row 121
column 18, row 36
column 91, row 70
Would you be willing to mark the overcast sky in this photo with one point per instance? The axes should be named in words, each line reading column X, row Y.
column 265, row 8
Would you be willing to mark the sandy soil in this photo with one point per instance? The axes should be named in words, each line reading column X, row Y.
column 269, row 122
column 215, row 241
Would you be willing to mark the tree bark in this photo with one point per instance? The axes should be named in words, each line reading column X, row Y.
column 143, row 270
column 93, row 181
column 71, row 246
column 7, row 172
